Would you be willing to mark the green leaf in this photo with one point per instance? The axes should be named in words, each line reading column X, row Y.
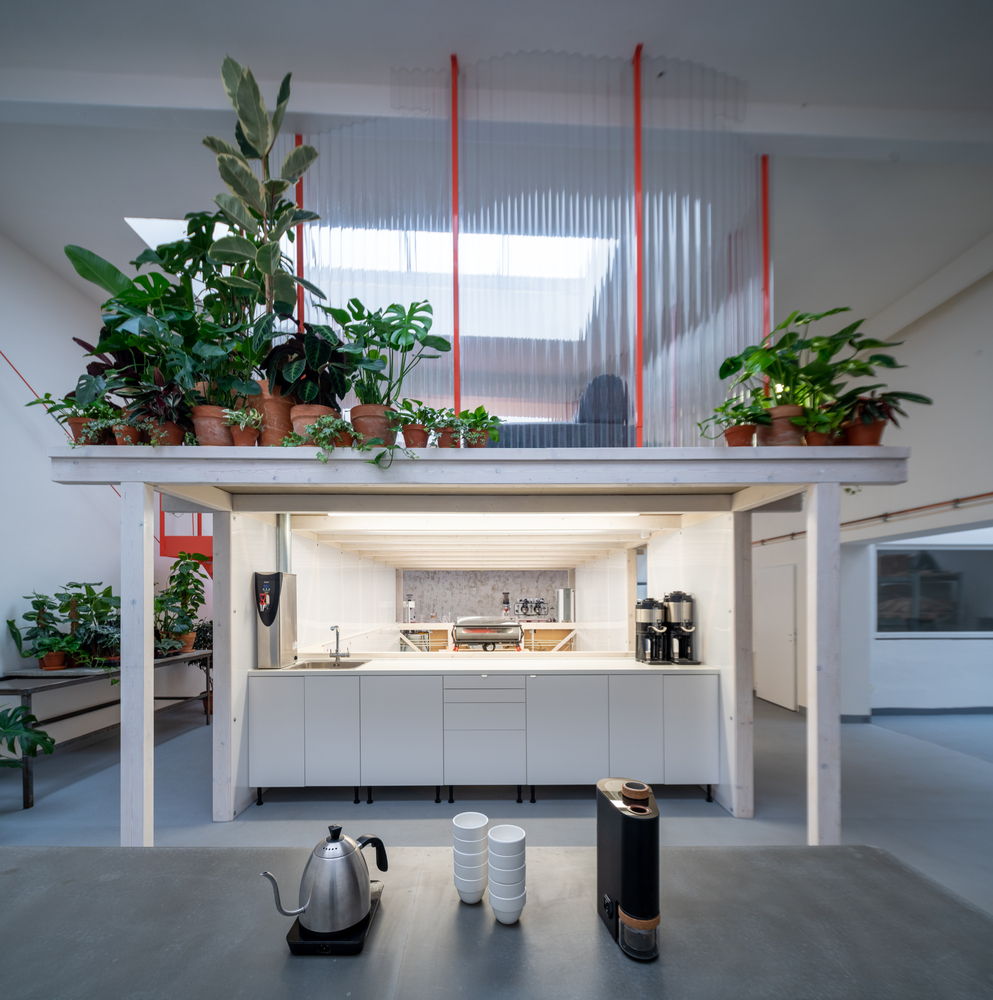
column 294, row 370
column 436, row 343
column 234, row 208
column 308, row 285
column 147, row 256
column 252, row 113
column 233, row 281
column 729, row 367
column 339, row 315
column 246, row 147
column 284, row 293
column 231, row 74
column 317, row 350
column 292, row 218
column 232, row 250
column 219, row 146
column 101, row 272
column 297, row 162
column 267, row 258
column 282, row 99
column 206, row 350
column 239, row 178
column 308, row 391
column 276, row 187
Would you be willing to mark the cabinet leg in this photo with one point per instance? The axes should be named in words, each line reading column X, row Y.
column 533, row 799
column 27, row 781
column 437, row 793
column 519, row 799
column 356, row 799
column 710, row 793
column 369, row 796
column 258, row 797
column 451, row 793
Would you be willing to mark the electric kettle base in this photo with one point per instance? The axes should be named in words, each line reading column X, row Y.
column 350, row 941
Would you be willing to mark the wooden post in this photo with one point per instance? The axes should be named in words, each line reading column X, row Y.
column 743, row 778
column 823, row 664
column 137, row 668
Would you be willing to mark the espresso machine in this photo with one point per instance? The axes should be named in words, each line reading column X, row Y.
column 680, row 628
column 276, row 603
column 627, row 865
column 650, row 631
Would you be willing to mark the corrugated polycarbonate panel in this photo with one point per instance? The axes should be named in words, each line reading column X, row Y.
column 546, row 253
column 703, row 263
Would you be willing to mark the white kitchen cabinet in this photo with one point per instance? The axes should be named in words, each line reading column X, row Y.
column 567, row 734
column 332, row 730
column 276, row 731
column 637, row 744
column 402, row 740
column 485, row 716
column 485, row 757
column 690, row 725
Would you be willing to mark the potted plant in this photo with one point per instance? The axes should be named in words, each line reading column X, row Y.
column 44, row 619
column 20, row 738
column 162, row 404
column 446, row 427
column 244, row 425
column 416, row 421
column 736, row 419
column 56, row 647
column 77, row 415
column 330, row 432
column 820, row 425
column 865, row 417
column 477, row 427
column 93, row 616
column 180, row 602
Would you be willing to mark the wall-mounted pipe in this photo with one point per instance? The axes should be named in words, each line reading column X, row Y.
column 284, row 541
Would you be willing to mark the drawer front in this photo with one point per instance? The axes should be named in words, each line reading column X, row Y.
column 486, row 716
column 484, row 681
column 482, row 694
column 486, row 758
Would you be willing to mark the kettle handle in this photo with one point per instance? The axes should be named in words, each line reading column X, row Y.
column 381, row 862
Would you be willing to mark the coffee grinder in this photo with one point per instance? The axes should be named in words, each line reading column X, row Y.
column 627, row 865
column 650, row 631
column 679, row 623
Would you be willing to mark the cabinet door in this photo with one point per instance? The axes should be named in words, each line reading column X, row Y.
column 690, row 725
column 637, row 747
column 332, row 732
column 567, row 730
column 485, row 757
column 275, row 731
column 402, row 731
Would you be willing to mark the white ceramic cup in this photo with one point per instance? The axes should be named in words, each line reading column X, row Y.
column 507, row 877
column 508, row 911
column 472, row 897
column 470, row 884
column 506, row 862
column 507, row 892
column 506, row 840
column 470, row 846
column 477, row 871
column 470, row 826
column 470, row 860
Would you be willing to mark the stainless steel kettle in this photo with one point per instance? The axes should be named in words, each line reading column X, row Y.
column 334, row 890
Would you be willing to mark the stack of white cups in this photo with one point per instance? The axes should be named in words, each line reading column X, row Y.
column 508, row 892
column 470, row 855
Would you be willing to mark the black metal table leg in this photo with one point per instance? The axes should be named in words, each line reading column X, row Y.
column 356, row 799
column 451, row 793
column 437, row 793
column 533, row 799
column 369, row 796
column 519, row 799
column 258, row 797
column 710, row 793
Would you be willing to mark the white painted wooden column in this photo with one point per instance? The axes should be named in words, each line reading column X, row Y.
column 823, row 664
column 137, row 667
column 744, row 683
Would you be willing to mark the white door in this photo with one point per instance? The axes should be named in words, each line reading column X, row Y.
column 637, row 748
column 402, row 735
column 567, row 737
column 774, row 636
column 332, row 730
column 690, row 729
column 276, row 731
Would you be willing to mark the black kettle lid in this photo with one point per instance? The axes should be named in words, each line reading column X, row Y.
column 335, row 846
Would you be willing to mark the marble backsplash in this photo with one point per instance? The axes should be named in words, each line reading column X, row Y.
column 444, row 593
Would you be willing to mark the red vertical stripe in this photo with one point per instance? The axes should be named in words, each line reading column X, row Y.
column 766, row 299
column 455, row 233
column 639, row 237
column 299, row 142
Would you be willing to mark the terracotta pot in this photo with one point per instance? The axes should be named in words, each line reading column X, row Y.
column 860, row 434
column 53, row 661
column 244, row 438
column 169, row 433
column 127, row 435
column 275, row 409
column 344, row 440
column 448, row 438
column 476, row 439
column 818, row 439
column 76, row 425
column 781, row 432
column 415, row 436
column 740, row 436
column 187, row 638
column 304, row 414
column 212, row 431
column 373, row 420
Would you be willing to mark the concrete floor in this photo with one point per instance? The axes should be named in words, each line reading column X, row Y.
column 927, row 797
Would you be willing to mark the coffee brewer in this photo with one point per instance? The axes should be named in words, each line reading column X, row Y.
column 650, row 631
column 679, row 628
column 627, row 865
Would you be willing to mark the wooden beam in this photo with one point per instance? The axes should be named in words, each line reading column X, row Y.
column 517, row 524
column 765, row 496
column 194, row 499
column 137, row 670
column 823, row 664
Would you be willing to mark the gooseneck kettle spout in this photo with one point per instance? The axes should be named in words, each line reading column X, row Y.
column 279, row 905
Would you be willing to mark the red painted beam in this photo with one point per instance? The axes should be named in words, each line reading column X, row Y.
column 639, row 238
column 456, row 360
column 299, row 142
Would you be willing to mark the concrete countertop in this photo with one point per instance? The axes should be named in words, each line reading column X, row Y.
column 749, row 923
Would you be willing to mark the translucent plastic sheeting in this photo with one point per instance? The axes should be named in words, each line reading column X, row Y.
column 703, row 265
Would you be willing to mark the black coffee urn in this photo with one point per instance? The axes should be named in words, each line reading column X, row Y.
column 679, row 628
column 627, row 865
column 649, row 629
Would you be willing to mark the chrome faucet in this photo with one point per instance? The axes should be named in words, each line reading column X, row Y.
column 337, row 641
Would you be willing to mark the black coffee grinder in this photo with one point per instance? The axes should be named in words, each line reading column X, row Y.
column 650, row 631
column 627, row 865
column 680, row 628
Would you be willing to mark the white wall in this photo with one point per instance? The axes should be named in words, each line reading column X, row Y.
column 932, row 673
column 344, row 589
column 603, row 596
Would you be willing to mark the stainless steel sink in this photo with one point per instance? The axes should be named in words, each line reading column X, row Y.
column 345, row 664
